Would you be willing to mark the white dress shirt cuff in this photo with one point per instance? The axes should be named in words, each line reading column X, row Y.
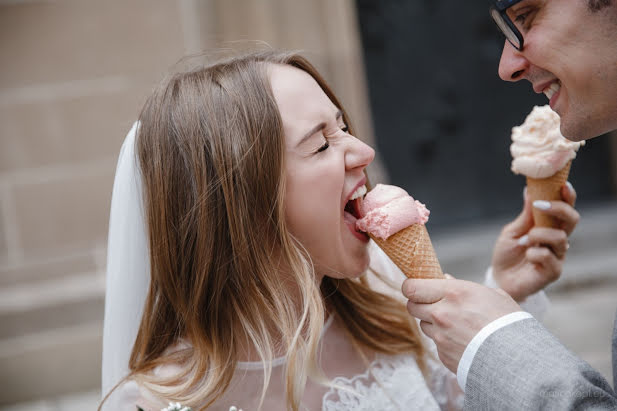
column 470, row 352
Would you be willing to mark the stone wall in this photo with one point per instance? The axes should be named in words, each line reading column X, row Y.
column 74, row 75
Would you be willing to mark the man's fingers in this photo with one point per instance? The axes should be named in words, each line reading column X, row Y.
column 555, row 239
column 423, row 291
column 428, row 329
column 502, row 292
column 420, row 311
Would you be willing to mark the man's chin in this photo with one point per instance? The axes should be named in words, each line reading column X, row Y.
column 585, row 128
column 575, row 133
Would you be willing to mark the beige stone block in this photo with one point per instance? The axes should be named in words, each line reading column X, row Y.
column 51, row 317
column 43, row 270
column 288, row 24
column 50, row 364
column 61, row 41
column 68, row 215
column 74, row 130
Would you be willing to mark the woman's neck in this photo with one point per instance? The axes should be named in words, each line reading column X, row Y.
column 247, row 350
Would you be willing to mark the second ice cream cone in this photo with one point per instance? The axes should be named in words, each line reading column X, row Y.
column 412, row 251
column 548, row 189
column 542, row 154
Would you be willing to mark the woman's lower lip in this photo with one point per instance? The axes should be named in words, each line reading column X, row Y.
column 361, row 236
column 350, row 222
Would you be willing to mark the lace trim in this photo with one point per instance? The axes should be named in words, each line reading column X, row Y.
column 390, row 383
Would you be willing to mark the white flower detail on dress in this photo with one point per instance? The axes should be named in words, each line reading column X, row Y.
column 390, row 383
column 176, row 406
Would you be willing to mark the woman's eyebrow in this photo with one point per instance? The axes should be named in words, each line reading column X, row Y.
column 318, row 127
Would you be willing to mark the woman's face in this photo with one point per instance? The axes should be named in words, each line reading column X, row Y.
column 324, row 167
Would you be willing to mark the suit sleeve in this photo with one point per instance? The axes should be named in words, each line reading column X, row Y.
column 524, row 367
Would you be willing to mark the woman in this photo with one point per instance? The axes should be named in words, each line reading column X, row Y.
column 257, row 296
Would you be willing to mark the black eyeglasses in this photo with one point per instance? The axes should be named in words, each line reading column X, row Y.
column 505, row 24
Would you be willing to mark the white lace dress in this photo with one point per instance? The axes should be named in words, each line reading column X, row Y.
column 388, row 383
column 385, row 383
column 395, row 383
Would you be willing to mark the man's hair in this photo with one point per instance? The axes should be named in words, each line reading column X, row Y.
column 596, row 5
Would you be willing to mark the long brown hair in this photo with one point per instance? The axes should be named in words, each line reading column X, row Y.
column 211, row 151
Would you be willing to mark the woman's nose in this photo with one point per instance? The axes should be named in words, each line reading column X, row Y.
column 359, row 154
column 513, row 64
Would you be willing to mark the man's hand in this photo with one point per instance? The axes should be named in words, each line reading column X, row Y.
column 452, row 312
column 526, row 258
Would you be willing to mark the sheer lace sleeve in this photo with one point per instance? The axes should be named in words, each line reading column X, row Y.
column 441, row 381
column 536, row 304
column 125, row 397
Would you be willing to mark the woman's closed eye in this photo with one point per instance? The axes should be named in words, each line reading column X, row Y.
column 343, row 127
column 323, row 147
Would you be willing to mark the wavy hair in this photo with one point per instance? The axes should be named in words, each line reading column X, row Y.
column 211, row 152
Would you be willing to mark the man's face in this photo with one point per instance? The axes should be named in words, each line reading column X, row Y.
column 570, row 55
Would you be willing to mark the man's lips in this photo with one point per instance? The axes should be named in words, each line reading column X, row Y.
column 549, row 88
column 540, row 87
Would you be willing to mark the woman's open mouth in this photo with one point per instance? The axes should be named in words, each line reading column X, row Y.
column 351, row 213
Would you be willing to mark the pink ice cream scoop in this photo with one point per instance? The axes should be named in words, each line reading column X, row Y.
column 387, row 209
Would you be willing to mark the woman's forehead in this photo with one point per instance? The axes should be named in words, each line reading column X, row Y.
column 299, row 97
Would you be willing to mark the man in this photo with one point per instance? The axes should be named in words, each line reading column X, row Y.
column 504, row 359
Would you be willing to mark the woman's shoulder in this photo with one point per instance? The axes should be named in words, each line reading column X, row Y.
column 146, row 399
column 131, row 396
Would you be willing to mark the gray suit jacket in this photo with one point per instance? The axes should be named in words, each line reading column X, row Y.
column 524, row 367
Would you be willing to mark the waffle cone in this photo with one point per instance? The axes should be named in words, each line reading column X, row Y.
column 412, row 251
column 548, row 189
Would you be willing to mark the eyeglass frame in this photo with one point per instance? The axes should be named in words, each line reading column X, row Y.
column 500, row 7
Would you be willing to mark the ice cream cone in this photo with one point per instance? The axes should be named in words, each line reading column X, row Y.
column 412, row 251
column 548, row 189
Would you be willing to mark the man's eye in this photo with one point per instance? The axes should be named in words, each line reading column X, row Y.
column 523, row 17
column 520, row 19
column 324, row 147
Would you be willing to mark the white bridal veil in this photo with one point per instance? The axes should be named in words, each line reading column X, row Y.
column 128, row 269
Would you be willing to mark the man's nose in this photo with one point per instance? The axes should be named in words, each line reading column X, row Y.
column 513, row 64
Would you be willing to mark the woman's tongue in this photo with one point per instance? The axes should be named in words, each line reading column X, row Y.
column 349, row 215
column 349, row 218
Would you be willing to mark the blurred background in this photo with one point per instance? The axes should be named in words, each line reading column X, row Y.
column 419, row 79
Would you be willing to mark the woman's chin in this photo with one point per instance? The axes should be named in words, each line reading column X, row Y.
column 355, row 269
